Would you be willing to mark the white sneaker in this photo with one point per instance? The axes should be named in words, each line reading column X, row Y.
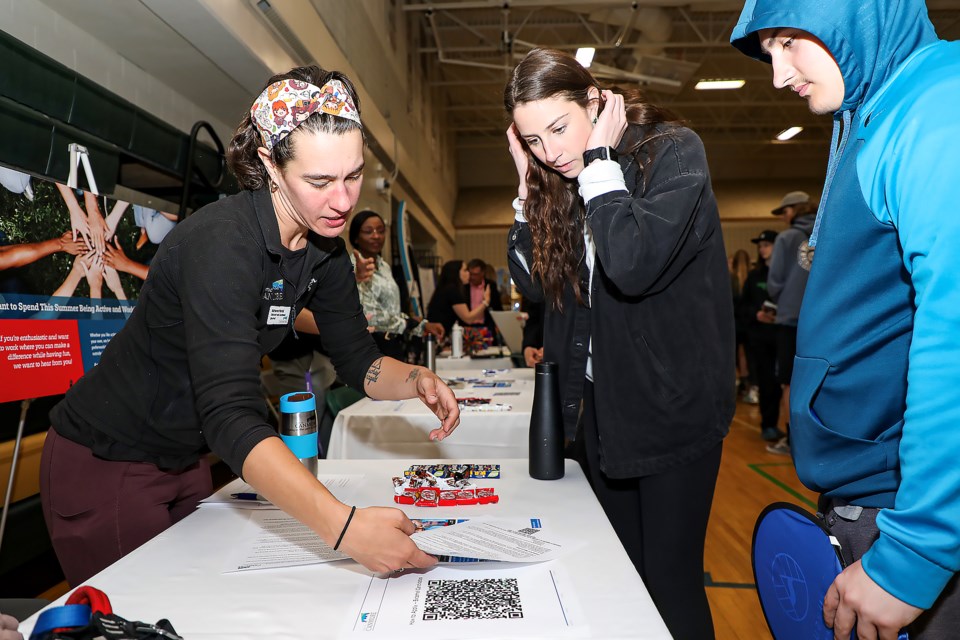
column 752, row 396
column 780, row 447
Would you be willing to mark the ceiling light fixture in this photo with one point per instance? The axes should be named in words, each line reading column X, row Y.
column 585, row 56
column 707, row 85
column 786, row 134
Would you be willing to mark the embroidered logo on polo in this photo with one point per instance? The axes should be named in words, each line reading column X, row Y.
column 274, row 292
column 805, row 256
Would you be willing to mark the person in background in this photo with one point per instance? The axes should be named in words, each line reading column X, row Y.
column 873, row 406
column 786, row 282
column 125, row 456
column 617, row 232
column 746, row 382
column 759, row 315
column 447, row 304
column 379, row 293
column 473, row 293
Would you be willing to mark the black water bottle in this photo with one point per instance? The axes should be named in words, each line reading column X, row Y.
column 546, row 425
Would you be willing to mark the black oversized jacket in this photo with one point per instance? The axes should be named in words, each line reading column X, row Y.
column 183, row 375
column 661, row 315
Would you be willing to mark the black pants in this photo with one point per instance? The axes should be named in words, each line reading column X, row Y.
column 762, row 346
column 942, row 621
column 786, row 352
column 662, row 522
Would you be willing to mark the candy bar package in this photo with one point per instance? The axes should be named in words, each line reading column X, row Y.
column 445, row 485
column 455, row 471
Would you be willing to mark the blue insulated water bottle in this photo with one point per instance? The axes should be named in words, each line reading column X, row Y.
column 298, row 426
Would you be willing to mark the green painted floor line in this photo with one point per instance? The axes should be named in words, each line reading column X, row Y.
column 708, row 582
column 791, row 491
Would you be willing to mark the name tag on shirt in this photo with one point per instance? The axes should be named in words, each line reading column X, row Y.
column 278, row 315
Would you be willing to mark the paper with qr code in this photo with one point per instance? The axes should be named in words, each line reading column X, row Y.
column 503, row 539
column 518, row 601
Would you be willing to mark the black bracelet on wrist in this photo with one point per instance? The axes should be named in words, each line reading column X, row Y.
column 349, row 518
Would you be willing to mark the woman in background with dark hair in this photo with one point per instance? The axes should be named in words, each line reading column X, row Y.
column 746, row 379
column 379, row 293
column 617, row 230
column 447, row 305
column 125, row 457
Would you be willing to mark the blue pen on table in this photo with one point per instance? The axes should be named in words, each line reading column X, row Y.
column 248, row 496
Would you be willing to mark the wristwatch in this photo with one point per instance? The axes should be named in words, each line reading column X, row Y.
column 600, row 153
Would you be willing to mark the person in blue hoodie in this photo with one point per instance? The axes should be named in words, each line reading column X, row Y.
column 873, row 408
column 786, row 283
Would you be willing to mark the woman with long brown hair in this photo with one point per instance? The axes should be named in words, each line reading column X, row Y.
column 618, row 231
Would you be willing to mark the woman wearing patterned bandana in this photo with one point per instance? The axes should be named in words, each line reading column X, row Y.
column 125, row 457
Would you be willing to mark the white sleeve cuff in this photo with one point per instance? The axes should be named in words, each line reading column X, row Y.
column 518, row 210
column 602, row 176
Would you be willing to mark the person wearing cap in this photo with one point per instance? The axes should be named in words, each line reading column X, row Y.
column 786, row 281
column 759, row 317
column 874, row 409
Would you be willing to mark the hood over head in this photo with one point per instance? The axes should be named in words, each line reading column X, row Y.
column 869, row 39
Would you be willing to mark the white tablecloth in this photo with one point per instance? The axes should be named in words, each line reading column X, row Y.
column 493, row 358
column 178, row 575
column 400, row 428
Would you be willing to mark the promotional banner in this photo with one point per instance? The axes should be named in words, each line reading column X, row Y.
column 71, row 266
column 407, row 263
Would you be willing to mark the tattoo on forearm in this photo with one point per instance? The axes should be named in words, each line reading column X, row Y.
column 373, row 373
column 414, row 374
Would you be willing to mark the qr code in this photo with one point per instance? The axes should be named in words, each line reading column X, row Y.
column 485, row 599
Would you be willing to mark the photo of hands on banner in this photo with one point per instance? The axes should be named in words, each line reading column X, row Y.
column 71, row 262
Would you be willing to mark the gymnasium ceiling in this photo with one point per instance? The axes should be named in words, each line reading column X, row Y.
column 465, row 49
column 665, row 46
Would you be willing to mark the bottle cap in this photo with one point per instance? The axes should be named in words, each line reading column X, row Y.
column 546, row 367
column 297, row 402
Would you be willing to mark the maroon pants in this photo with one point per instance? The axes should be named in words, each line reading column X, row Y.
column 97, row 510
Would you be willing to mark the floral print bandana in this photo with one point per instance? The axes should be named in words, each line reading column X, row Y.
column 285, row 104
